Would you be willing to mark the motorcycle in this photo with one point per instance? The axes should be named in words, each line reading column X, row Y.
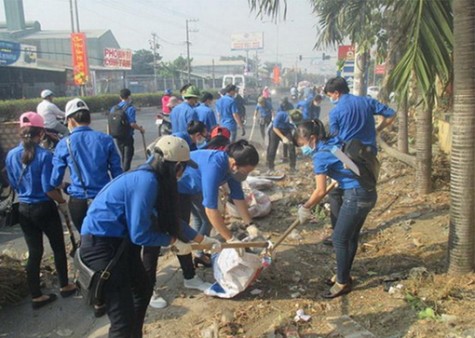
column 50, row 139
column 164, row 124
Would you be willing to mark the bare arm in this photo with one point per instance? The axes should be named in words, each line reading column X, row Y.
column 318, row 193
column 279, row 133
column 217, row 222
column 243, row 210
column 56, row 195
column 385, row 122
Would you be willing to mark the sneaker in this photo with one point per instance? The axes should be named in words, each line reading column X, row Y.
column 196, row 283
column 157, row 302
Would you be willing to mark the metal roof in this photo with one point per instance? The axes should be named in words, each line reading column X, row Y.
column 65, row 34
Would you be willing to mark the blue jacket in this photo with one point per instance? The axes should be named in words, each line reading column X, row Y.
column 226, row 109
column 212, row 172
column 125, row 207
column 96, row 156
column 35, row 182
column 206, row 115
column 353, row 118
column 181, row 115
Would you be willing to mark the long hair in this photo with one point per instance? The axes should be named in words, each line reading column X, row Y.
column 309, row 128
column 167, row 202
column 27, row 135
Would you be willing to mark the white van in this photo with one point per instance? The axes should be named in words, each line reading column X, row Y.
column 248, row 85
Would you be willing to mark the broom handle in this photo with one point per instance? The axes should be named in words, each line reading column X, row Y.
column 237, row 245
column 330, row 187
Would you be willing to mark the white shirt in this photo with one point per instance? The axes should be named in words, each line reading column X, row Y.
column 50, row 113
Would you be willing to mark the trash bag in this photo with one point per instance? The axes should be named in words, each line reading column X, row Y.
column 259, row 183
column 259, row 204
column 233, row 273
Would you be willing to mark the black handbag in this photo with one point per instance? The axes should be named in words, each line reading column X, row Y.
column 9, row 210
column 90, row 282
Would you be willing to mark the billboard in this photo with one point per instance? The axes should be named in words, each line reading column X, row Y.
column 246, row 41
column 117, row 58
column 16, row 54
column 80, row 61
column 346, row 52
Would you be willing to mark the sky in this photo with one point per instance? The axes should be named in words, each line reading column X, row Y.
column 132, row 23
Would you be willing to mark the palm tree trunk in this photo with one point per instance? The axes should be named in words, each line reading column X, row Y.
column 424, row 149
column 402, row 134
column 462, row 168
column 361, row 65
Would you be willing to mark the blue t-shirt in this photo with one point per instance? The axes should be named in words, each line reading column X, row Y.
column 353, row 118
column 125, row 207
column 303, row 106
column 130, row 112
column 185, row 136
column 212, row 172
column 35, row 182
column 282, row 121
column 206, row 115
column 181, row 115
column 226, row 109
column 324, row 162
column 96, row 157
column 263, row 111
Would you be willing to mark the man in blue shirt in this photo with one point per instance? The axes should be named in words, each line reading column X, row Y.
column 228, row 113
column 91, row 157
column 204, row 111
column 195, row 135
column 184, row 113
column 126, row 144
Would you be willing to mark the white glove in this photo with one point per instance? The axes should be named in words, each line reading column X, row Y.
column 233, row 239
column 304, row 214
column 181, row 248
column 64, row 209
column 285, row 140
column 215, row 244
column 253, row 231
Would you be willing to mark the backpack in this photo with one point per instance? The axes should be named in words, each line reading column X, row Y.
column 366, row 161
column 119, row 126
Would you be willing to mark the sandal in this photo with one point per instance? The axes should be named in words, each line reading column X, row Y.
column 337, row 290
column 67, row 293
column 332, row 281
column 204, row 260
column 99, row 310
column 39, row 304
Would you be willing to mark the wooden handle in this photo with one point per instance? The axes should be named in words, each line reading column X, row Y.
column 237, row 245
column 330, row 187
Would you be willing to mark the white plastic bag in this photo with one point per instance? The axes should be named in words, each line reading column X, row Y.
column 233, row 273
column 259, row 204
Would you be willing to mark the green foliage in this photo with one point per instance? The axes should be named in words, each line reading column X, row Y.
column 142, row 62
column 270, row 8
column 424, row 311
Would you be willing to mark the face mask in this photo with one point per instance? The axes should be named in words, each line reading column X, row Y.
column 201, row 143
column 306, row 150
column 334, row 101
column 239, row 176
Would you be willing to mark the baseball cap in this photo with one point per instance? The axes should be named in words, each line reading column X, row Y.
column 31, row 119
column 74, row 106
column 175, row 149
column 216, row 131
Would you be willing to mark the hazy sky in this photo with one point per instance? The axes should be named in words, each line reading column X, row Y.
column 133, row 21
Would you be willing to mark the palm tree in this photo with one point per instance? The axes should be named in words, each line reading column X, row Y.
column 462, row 164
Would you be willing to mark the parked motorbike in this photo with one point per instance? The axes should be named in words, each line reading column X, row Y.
column 164, row 124
column 50, row 139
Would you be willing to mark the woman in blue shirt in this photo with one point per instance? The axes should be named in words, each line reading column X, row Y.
column 29, row 171
column 357, row 201
column 264, row 113
column 140, row 207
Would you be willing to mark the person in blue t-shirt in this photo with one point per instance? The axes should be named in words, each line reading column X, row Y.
column 126, row 145
column 139, row 207
column 185, row 112
column 205, row 112
column 195, row 136
column 281, row 132
column 314, row 109
column 29, row 171
column 357, row 201
column 216, row 168
column 228, row 114
column 264, row 113
column 352, row 117
column 91, row 157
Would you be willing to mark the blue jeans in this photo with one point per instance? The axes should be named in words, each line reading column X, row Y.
column 199, row 219
column 357, row 203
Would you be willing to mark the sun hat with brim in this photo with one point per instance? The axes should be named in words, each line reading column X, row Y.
column 192, row 92
column 31, row 119
column 175, row 149
column 75, row 105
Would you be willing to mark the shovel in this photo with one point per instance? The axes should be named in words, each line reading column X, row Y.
column 74, row 244
column 239, row 245
column 144, row 145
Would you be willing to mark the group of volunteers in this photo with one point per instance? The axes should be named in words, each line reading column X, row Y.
column 126, row 216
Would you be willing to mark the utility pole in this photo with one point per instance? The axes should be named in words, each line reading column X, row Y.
column 72, row 15
column 188, row 43
column 77, row 14
column 212, row 72
column 153, row 46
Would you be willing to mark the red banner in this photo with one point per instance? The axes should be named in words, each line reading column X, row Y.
column 380, row 69
column 276, row 75
column 80, row 61
column 346, row 53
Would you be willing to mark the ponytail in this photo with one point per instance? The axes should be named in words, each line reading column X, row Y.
column 28, row 137
column 309, row 128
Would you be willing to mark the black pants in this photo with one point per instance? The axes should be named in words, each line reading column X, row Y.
column 274, row 141
column 126, row 149
column 263, row 124
column 36, row 219
column 335, row 198
column 150, row 254
column 78, row 208
column 128, row 290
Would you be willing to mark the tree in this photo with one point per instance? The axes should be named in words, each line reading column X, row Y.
column 462, row 164
column 142, row 62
